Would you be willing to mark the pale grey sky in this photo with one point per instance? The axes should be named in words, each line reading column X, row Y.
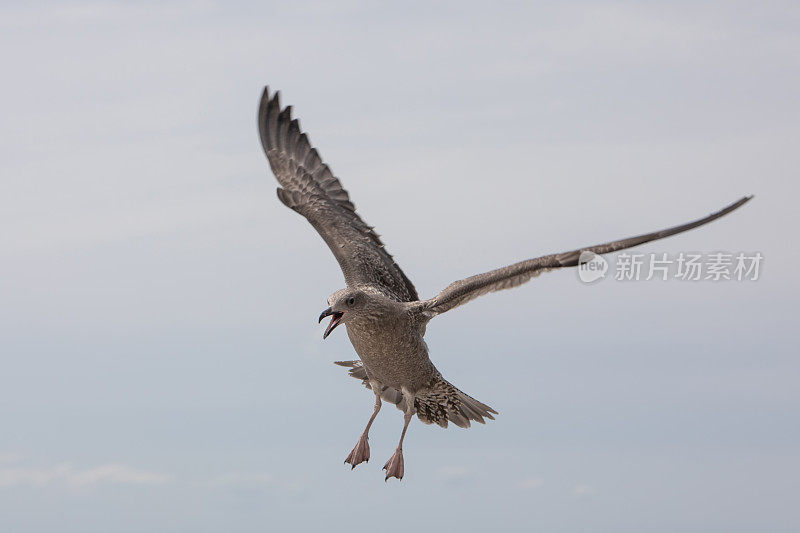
column 162, row 367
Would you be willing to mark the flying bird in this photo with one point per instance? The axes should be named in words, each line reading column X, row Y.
column 384, row 317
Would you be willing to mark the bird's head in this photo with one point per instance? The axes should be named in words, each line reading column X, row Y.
column 345, row 304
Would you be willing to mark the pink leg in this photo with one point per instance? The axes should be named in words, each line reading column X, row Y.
column 360, row 453
column 394, row 466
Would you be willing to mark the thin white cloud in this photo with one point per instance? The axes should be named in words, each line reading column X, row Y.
column 6, row 458
column 583, row 490
column 241, row 479
column 67, row 475
column 254, row 481
column 452, row 473
column 530, row 483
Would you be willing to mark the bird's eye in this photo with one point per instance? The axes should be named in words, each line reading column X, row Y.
column 351, row 301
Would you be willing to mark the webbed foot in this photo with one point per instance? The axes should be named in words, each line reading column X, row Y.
column 394, row 466
column 360, row 453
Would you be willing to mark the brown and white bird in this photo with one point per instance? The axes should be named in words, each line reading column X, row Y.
column 384, row 317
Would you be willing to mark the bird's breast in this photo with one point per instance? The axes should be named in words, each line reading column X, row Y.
column 393, row 354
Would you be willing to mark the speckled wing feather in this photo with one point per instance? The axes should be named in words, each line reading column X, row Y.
column 461, row 292
column 309, row 187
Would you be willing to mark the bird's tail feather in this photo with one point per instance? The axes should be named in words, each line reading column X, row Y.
column 441, row 403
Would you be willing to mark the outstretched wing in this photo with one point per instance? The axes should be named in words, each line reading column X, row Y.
column 309, row 187
column 461, row 292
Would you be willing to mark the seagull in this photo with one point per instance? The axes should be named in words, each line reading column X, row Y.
column 384, row 317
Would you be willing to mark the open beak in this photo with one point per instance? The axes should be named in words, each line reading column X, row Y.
column 335, row 321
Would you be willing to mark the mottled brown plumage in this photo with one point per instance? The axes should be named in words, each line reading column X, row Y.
column 384, row 317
